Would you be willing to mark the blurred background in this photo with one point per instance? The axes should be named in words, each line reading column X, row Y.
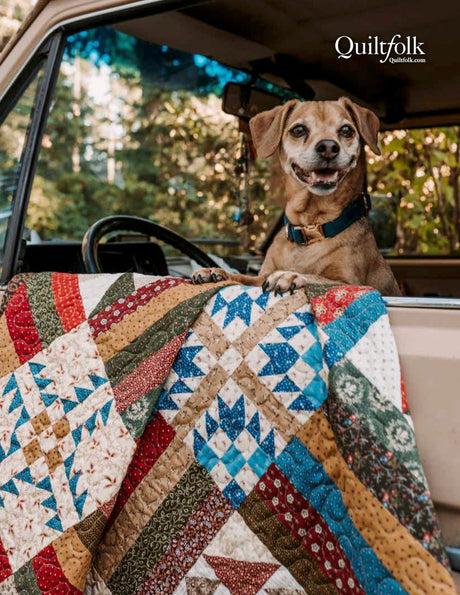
column 139, row 130
column 12, row 13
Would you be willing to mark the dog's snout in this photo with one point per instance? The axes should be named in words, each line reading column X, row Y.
column 328, row 149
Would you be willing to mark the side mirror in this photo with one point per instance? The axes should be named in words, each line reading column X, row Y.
column 245, row 101
column 383, row 219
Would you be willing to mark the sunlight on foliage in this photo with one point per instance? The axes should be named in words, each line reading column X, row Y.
column 421, row 168
column 139, row 129
column 141, row 133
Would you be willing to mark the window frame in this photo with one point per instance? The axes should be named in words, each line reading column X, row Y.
column 51, row 49
column 49, row 55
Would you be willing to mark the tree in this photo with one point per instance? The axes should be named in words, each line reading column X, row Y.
column 138, row 128
column 148, row 145
column 421, row 169
column 12, row 14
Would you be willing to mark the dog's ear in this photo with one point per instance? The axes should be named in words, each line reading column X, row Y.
column 367, row 122
column 267, row 128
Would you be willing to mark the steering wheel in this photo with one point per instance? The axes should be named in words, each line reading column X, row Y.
column 90, row 245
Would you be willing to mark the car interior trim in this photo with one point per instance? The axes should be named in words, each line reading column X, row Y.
column 30, row 156
column 423, row 302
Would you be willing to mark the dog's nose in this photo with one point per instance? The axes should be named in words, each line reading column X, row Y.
column 328, row 149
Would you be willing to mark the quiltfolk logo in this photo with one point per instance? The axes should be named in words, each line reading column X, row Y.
column 398, row 49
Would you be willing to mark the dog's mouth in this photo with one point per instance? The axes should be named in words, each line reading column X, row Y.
column 321, row 179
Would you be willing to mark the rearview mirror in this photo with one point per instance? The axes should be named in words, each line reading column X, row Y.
column 245, row 101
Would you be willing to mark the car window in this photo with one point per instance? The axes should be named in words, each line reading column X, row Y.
column 13, row 135
column 419, row 172
column 138, row 128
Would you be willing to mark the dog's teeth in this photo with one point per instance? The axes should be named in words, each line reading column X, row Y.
column 314, row 176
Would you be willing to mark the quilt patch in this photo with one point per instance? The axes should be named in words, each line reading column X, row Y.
column 57, row 410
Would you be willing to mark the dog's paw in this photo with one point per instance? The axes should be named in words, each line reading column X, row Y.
column 209, row 276
column 283, row 281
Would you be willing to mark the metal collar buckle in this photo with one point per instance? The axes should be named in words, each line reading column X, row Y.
column 311, row 233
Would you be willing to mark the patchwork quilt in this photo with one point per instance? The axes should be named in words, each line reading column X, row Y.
column 158, row 437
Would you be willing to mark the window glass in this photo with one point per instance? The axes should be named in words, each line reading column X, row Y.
column 420, row 169
column 138, row 128
column 13, row 134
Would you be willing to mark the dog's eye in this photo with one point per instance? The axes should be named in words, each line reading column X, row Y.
column 298, row 131
column 346, row 131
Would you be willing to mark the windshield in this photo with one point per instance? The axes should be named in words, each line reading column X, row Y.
column 138, row 128
column 13, row 134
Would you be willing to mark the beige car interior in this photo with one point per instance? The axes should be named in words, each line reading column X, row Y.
column 430, row 359
column 264, row 32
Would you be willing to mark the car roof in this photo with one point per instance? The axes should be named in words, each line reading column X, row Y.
column 301, row 37
column 293, row 43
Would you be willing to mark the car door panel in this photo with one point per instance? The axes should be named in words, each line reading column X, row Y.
column 428, row 342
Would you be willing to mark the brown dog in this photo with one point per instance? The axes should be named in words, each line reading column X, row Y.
column 320, row 145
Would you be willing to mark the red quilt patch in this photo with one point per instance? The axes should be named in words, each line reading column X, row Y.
column 241, row 577
column 308, row 527
column 404, row 403
column 5, row 568
column 50, row 576
column 67, row 299
column 152, row 372
column 21, row 326
column 333, row 304
column 114, row 313
column 154, row 441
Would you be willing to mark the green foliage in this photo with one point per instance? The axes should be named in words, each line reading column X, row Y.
column 421, row 169
column 174, row 164
column 160, row 147
column 13, row 132
column 66, row 207
column 139, row 129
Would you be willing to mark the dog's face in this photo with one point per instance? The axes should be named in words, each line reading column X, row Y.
column 319, row 142
column 320, row 145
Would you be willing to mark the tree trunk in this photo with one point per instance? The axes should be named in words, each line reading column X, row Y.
column 446, row 230
column 76, row 164
column 112, row 133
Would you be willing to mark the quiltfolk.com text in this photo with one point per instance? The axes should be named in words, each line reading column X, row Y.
column 398, row 49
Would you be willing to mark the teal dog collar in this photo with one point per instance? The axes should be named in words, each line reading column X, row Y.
column 309, row 234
